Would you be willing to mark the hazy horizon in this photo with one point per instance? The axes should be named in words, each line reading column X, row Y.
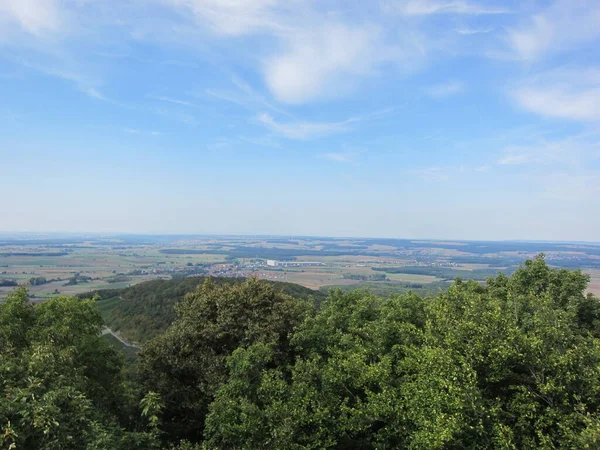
column 262, row 235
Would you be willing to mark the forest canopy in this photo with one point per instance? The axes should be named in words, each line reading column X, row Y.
column 512, row 363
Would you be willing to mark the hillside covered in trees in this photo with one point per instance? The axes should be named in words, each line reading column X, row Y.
column 143, row 311
column 510, row 364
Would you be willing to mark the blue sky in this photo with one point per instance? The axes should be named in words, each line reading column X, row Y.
column 445, row 119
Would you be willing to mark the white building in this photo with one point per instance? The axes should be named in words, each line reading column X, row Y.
column 273, row 263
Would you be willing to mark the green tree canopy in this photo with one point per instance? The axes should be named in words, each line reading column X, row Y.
column 186, row 364
column 60, row 383
column 510, row 364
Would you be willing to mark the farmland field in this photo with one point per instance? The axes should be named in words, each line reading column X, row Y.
column 74, row 264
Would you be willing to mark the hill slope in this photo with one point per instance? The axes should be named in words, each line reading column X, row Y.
column 142, row 311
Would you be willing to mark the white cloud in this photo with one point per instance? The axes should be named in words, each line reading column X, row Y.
column 37, row 17
column 302, row 130
column 322, row 62
column 429, row 7
column 311, row 53
column 566, row 93
column 565, row 24
column 445, row 90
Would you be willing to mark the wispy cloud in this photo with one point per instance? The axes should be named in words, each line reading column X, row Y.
column 94, row 93
column 244, row 96
column 428, row 7
column 564, row 93
column 445, row 90
column 65, row 68
column 235, row 18
column 564, row 24
column 310, row 130
column 340, row 157
column 174, row 101
column 136, row 131
column 471, row 31
column 302, row 130
column 254, row 97
column 575, row 152
column 61, row 68
column 36, row 17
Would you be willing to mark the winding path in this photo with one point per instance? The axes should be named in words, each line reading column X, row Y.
column 106, row 330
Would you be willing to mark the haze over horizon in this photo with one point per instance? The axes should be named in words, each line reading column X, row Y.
column 425, row 119
column 75, row 234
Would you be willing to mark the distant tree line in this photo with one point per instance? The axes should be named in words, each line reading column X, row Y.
column 118, row 278
column 375, row 277
column 60, row 253
column 77, row 278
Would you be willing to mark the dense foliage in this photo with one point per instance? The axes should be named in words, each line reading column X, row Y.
column 510, row 364
column 147, row 309
column 60, row 383
column 187, row 364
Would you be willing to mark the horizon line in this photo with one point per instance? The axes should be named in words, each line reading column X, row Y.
column 255, row 235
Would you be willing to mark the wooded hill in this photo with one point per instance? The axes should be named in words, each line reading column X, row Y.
column 143, row 311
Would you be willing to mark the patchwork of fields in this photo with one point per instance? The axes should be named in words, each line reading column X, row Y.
column 75, row 264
